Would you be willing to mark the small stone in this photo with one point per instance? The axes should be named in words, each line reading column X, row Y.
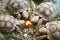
column 25, row 34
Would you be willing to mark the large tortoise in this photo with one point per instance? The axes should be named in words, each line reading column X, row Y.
column 19, row 7
column 47, row 11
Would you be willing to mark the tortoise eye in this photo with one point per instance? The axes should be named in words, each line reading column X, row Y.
column 27, row 10
column 40, row 17
column 21, row 12
column 36, row 15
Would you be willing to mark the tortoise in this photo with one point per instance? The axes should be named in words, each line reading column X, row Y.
column 19, row 7
column 8, row 23
column 52, row 29
column 47, row 11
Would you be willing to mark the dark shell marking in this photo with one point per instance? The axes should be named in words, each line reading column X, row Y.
column 7, row 22
column 54, row 30
column 18, row 5
column 47, row 10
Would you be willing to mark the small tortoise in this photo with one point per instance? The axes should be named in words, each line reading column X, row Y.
column 19, row 7
column 52, row 29
column 47, row 11
column 8, row 23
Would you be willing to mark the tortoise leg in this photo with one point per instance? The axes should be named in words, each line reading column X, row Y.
column 41, row 37
column 18, row 30
column 18, row 16
column 40, row 21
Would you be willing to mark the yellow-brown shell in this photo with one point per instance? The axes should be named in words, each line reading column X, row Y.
column 53, row 30
column 18, row 5
column 47, row 10
column 7, row 23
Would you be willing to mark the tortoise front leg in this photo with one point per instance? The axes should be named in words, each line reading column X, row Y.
column 41, row 37
column 18, row 30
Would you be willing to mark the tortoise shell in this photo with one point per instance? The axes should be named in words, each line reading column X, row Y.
column 18, row 5
column 7, row 23
column 53, row 30
column 47, row 11
column 3, row 3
